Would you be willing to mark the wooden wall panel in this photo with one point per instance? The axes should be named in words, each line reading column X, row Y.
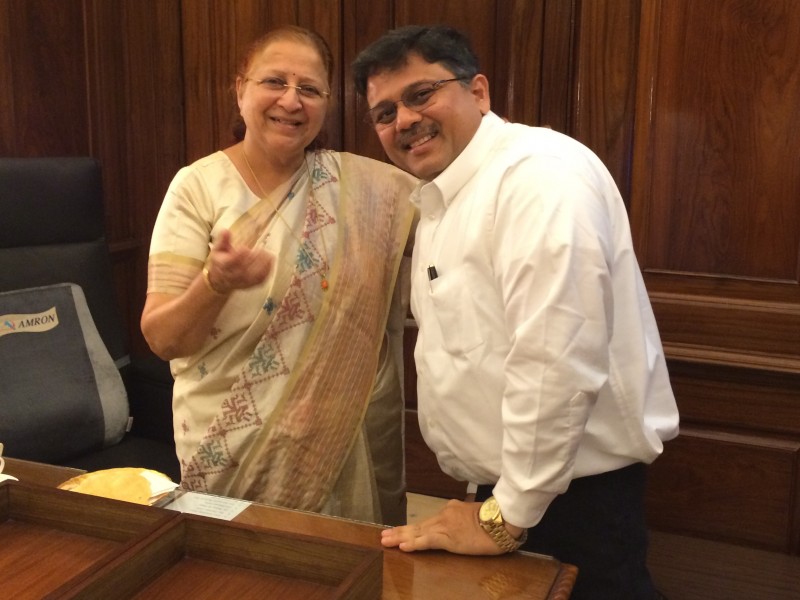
column 605, row 84
column 558, row 65
column 136, row 130
column 749, row 332
column 716, row 223
column 741, row 488
column 44, row 96
column 363, row 22
column 735, row 398
column 7, row 118
column 518, row 47
column 715, row 175
column 725, row 100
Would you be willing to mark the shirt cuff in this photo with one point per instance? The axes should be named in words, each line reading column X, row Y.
column 523, row 509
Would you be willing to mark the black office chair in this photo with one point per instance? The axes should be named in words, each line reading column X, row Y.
column 52, row 232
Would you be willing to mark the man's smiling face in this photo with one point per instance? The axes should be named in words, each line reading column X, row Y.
column 424, row 143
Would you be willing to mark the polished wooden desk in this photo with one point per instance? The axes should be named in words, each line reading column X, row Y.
column 432, row 574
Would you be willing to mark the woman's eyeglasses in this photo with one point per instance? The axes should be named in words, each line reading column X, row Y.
column 278, row 85
column 416, row 98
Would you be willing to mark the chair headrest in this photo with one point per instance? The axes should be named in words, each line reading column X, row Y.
column 50, row 201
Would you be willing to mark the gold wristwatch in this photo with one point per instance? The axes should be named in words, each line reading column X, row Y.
column 492, row 522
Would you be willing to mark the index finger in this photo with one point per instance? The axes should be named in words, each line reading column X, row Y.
column 222, row 242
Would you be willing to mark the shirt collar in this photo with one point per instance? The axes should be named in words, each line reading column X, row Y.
column 450, row 181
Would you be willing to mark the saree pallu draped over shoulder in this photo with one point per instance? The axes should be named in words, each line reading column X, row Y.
column 289, row 419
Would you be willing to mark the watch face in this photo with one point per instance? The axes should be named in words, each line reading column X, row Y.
column 490, row 510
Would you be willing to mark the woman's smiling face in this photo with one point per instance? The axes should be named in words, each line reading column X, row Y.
column 283, row 120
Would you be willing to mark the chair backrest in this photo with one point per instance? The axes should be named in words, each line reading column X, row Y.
column 64, row 395
column 52, row 230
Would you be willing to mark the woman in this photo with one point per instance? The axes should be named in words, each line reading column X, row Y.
column 270, row 288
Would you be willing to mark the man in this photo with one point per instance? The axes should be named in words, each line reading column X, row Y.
column 541, row 375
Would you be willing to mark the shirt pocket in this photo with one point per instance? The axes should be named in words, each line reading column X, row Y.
column 456, row 312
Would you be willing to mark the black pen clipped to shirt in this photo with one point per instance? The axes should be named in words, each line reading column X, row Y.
column 432, row 274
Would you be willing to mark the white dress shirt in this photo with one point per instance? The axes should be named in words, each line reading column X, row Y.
column 538, row 356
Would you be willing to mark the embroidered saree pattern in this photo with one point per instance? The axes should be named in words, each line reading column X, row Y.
column 286, row 425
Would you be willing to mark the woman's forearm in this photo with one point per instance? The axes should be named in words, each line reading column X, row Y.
column 177, row 326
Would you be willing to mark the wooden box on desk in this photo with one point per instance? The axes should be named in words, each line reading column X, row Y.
column 52, row 540
column 197, row 557
column 60, row 544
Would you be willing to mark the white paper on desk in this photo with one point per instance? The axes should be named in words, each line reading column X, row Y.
column 218, row 507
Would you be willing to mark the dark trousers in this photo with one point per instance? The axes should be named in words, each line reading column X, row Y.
column 599, row 526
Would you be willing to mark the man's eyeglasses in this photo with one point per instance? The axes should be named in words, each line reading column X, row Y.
column 415, row 98
column 276, row 84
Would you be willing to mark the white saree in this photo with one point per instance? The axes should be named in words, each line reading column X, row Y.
column 295, row 398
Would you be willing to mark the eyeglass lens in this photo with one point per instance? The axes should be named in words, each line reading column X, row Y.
column 414, row 98
column 275, row 84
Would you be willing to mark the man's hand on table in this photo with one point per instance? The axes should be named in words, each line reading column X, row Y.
column 455, row 528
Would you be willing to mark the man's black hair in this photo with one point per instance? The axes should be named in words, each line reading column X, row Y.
column 435, row 44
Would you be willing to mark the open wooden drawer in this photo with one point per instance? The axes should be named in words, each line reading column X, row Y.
column 197, row 557
column 51, row 540
column 68, row 545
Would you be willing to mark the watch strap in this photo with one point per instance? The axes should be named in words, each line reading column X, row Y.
column 503, row 538
column 496, row 529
